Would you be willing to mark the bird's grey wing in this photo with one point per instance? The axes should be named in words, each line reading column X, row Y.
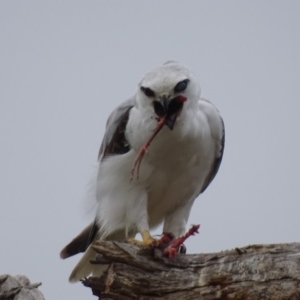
column 216, row 164
column 81, row 242
column 114, row 141
column 218, row 132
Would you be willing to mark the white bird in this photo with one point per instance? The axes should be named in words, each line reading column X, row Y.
column 180, row 163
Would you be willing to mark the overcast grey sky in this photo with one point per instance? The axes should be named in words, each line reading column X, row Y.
column 64, row 66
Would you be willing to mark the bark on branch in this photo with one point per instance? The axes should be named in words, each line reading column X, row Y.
column 253, row 272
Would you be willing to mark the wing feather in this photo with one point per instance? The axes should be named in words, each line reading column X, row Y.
column 81, row 242
column 216, row 164
column 218, row 133
column 114, row 140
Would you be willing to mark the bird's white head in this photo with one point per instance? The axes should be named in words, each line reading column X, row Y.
column 167, row 90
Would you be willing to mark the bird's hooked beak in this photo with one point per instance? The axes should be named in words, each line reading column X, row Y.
column 170, row 108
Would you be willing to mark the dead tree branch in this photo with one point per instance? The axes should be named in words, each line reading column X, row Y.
column 253, row 272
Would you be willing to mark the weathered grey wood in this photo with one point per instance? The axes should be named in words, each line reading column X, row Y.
column 19, row 288
column 253, row 272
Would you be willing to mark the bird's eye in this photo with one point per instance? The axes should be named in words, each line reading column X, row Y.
column 181, row 86
column 148, row 92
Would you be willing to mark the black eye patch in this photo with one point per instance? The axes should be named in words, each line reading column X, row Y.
column 148, row 92
column 181, row 86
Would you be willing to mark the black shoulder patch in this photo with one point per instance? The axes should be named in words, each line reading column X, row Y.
column 118, row 143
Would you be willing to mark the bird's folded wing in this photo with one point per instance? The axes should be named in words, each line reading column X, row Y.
column 218, row 133
column 81, row 242
column 114, row 141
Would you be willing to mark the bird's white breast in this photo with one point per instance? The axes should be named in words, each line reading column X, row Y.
column 179, row 160
column 172, row 172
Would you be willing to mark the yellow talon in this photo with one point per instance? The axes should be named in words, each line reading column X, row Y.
column 148, row 240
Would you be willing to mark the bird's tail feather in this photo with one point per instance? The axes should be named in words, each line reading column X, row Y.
column 84, row 268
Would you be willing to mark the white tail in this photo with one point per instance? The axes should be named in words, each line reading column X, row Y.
column 84, row 268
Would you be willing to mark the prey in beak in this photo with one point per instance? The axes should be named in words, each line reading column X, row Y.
column 167, row 111
column 169, row 108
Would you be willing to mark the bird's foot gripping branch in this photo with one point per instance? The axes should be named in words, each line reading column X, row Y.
column 168, row 244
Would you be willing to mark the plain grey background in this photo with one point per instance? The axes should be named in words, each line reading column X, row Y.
column 64, row 66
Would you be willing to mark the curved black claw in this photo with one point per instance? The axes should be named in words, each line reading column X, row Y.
column 182, row 249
